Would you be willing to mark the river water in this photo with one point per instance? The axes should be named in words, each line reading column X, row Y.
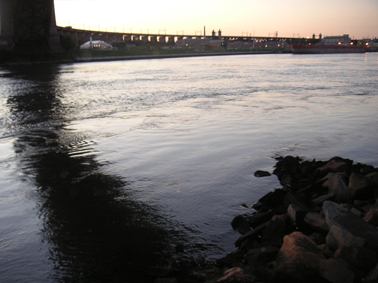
column 106, row 167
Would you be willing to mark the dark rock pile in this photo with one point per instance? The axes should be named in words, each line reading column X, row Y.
column 321, row 226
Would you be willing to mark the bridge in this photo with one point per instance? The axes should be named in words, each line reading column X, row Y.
column 30, row 26
column 80, row 36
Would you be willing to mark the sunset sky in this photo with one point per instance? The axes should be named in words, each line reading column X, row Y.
column 299, row 18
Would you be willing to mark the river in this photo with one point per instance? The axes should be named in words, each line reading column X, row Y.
column 106, row 167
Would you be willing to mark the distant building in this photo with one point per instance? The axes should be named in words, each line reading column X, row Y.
column 337, row 40
column 96, row 44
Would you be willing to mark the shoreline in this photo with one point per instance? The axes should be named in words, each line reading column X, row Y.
column 321, row 226
column 83, row 59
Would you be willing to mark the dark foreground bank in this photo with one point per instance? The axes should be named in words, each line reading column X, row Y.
column 321, row 226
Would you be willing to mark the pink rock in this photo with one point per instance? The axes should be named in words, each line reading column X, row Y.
column 236, row 274
column 334, row 166
column 298, row 258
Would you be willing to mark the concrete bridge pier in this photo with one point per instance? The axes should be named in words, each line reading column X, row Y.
column 6, row 24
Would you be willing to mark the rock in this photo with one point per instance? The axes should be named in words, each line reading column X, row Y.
column 166, row 280
column 251, row 235
column 320, row 199
column 373, row 176
column 325, row 250
column 363, row 169
column 273, row 199
column 236, row 274
column 335, row 165
column 316, row 221
column 361, row 258
column 259, row 218
column 336, row 271
column 337, row 187
column 298, row 258
column 260, row 173
column 240, row 224
column 231, row 258
column 338, row 237
column 372, row 216
column 179, row 248
column 296, row 215
column 357, row 212
column 275, row 231
column 360, row 187
column 372, row 277
column 347, row 228
column 261, row 256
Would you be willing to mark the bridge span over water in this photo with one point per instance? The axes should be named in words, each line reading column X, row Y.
column 81, row 36
column 30, row 26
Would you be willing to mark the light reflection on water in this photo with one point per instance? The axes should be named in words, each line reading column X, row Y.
column 150, row 153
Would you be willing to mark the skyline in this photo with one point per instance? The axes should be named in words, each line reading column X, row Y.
column 292, row 18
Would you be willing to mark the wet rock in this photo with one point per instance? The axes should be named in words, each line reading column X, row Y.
column 259, row 218
column 231, row 258
column 251, row 235
column 336, row 271
column 240, row 224
column 298, row 258
column 260, row 173
column 333, row 202
column 273, row 199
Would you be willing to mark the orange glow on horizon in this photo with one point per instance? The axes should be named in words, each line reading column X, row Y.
column 239, row 17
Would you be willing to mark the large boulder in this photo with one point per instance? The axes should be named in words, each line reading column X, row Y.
column 336, row 271
column 337, row 187
column 361, row 187
column 336, row 164
column 361, row 258
column 346, row 228
column 298, row 258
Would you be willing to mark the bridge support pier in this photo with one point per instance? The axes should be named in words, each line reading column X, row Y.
column 28, row 26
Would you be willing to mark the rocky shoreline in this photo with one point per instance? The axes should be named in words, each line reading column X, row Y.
column 321, row 226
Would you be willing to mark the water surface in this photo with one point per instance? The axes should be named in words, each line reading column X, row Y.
column 105, row 166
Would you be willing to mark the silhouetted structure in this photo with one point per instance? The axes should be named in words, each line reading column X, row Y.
column 28, row 26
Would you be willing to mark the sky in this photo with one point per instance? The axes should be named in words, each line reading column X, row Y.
column 290, row 18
